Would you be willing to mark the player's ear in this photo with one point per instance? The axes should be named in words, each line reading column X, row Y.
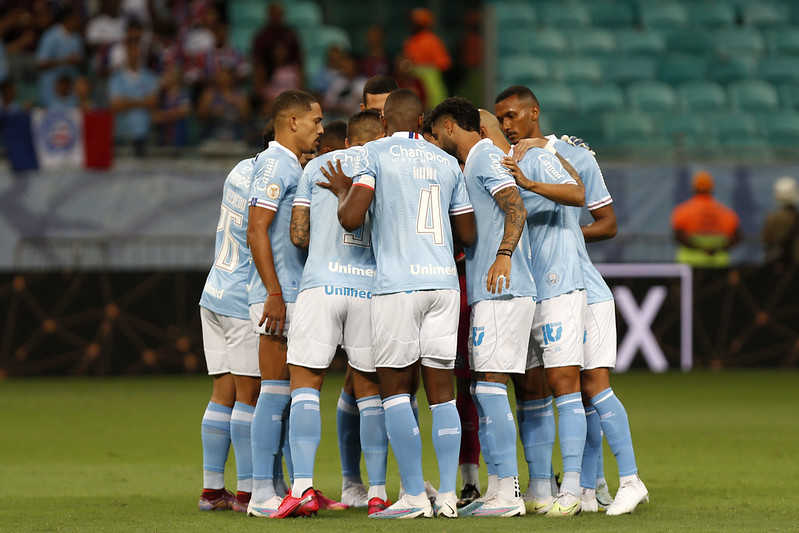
column 363, row 107
column 483, row 132
column 534, row 112
column 347, row 141
column 293, row 122
column 420, row 121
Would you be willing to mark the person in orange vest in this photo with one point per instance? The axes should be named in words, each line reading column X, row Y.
column 704, row 228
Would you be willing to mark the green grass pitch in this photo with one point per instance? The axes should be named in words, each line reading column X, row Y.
column 718, row 452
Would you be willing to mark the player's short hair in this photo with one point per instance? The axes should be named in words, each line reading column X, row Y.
column 463, row 112
column 364, row 125
column 380, row 84
column 403, row 103
column 427, row 125
column 269, row 133
column 519, row 91
column 293, row 100
column 333, row 137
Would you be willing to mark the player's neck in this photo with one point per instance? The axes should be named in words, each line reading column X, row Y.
column 285, row 142
column 468, row 140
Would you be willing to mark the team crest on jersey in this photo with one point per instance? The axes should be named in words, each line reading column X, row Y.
column 273, row 191
column 478, row 334
column 552, row 277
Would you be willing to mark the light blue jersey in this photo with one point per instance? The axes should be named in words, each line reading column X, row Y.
column 485, row 176
column 275, row 176
column 335, row 256
column 596, row 196
column 225, row 289
column 417, row 188
column 553, row 228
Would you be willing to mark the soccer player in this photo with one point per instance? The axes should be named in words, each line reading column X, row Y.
column 559, row 322
column 500, row 290
column 231, row 351
column 334, row 306
column 376, row 90
column 274, row 277
column 411, row 187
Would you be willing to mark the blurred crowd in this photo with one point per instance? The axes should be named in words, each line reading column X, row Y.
column 168, row 71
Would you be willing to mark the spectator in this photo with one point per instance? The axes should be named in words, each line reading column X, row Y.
column 322, row 78
column 428, row 54
column 133, row 92
column 222, row 57
column 60, row 53
column 780, row 233
column 469, row 76
column 223, row 109
column 102, row 32
column 275, row 31
column 118, row 54
column 174, row 107
column 343, row 97
column 64, row 96
column 198, row 42
column 8, row 97
column 376, row 61
column 285, row 75
column 12, row 40
column 405, row 75
column 166, row 49
column 704, row 228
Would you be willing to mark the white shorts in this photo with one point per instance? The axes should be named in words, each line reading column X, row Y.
column 322, row 321
column 599, row 350
column 256, row 310
column 558, row 331
column 230, row 345
column 500, row 334
column 408, row 326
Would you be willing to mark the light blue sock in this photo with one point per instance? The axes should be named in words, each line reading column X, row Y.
column 373, row 438
column 267, row 433
column 593, row 445
column 537, row 429
column 600, row 459
column 485, row 444
column 447, row 443
column 571, row 432
column 406, row 443
column 613, row 418
column 305, row 430
column 240, row 431
column 285, row 449
column 501, row 431
column 349, row 435
column 215, row 433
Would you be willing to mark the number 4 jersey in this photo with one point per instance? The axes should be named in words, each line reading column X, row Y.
column 417, row 188
column 225, row 289
column 335, row 256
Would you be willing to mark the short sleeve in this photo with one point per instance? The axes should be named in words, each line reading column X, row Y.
column 304, row 187
column 365, row 168
column 460, row 203
column 596, row 192
column 267, row 188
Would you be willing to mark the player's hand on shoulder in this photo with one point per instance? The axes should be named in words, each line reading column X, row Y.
column 521, row 147
column 577, row 141
column 337, row 182
column 516, row 172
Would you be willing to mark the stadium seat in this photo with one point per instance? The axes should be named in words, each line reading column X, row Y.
column 783, row 41
column 545, row 42
column 250, row 11
column 699, row 95
column 554, row 97
column 735, row 130
column 711, row 14
column 753, row 96
column 629, row 128
column 316, row 41
column 662, row 15
column 576, row 69
column 242, row 35
column 598, row 98
column 300, row 14
column 789, row 95
column 512, row 41
column 623, row 69
column 651, row 96
column 591, row 42
column 678, row 68
column 684, row 129
column 726, row 70
column 523, row 69
column 612, row 15
column 779, row 69
column 763, row 15
column 687, row 40
column 734, row 42
column 781, row 129
column 632, row 42
column 514, row 14
column 579, row 124
column 565, row 16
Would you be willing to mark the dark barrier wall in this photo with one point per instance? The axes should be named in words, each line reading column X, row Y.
column 99, row 323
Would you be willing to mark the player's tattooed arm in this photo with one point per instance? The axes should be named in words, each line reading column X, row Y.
column 511, row 203
column 300, row 228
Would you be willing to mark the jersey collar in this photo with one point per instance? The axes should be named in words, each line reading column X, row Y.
column 472, row 150
column 406, row 134
column 275, row 144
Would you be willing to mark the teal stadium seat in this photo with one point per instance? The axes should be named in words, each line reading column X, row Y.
column 631, row 128
column 703, row 96
column 350, row 14
column 631, row 42
column 577, row 69
column 301, row 14
column 753, row 96
column 686, row 40
column 591, row 42
column 565, row 15
column 317, row 40
column 514, row 14
column 728, row 69
column 543, row 42
column 684, row 129
column 624, row 69
column 734, row 42
column 735, row 130
column 764, row 14
column 780, row 129
column 679, row 68
column 783, row 41
column 579, row 124
column 651, row 96
column 779, row 69
column 789, row 95
column 554, row 97
column 663, row 15
column 523, row 69
column 711, row 14
column 612, row 14
column 598, row 98
column 247, row 11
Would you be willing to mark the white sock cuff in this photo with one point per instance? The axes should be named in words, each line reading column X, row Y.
column 276, row 387
column 305, row 397
column 372, row 402
column 394, row 401
column 451, row 402
column 495, row 389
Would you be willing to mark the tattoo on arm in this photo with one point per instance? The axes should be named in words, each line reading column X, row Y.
column 300, row 229
column 511, row 203
column 570, row 169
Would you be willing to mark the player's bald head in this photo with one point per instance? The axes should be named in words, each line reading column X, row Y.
column 403, row 111
column 490, row 128
column 364, row 127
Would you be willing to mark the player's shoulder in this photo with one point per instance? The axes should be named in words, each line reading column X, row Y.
column 240, row 175
column 580, row 151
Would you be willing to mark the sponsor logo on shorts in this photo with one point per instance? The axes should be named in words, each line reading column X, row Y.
column 478, row 333
column 552, row 332
column 332, row 290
